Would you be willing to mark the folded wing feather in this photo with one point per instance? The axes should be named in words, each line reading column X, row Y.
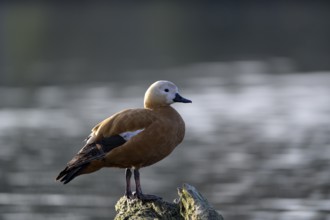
column 107, row 135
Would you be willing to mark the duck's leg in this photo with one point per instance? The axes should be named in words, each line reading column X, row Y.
column 139, row 193
column 128, row 191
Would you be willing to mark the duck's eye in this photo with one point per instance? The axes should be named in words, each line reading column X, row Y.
column 166, row 90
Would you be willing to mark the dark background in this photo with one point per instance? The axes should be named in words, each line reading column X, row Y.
column 59, row 42
column 257, row 140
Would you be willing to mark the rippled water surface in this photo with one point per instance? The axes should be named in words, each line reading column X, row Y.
column 257, row 146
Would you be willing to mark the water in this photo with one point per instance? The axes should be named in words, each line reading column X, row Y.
column 257, row 146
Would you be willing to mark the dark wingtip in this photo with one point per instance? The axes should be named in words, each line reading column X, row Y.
column 66, row 175
column 61, row 174
column 66, row 181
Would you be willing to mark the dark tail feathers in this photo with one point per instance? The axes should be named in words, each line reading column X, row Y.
column 69, row 174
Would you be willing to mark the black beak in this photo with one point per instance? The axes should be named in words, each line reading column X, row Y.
column 179, row 98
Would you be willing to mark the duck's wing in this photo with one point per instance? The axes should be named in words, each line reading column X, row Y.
column 107, row 135
column 130, row 120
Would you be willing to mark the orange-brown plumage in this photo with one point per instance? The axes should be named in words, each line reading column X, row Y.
column 133, row 138
column 158, row 139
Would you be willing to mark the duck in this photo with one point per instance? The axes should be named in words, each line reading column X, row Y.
column 132, row 139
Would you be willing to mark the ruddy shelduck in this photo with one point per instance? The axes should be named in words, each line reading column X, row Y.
column 133, row 138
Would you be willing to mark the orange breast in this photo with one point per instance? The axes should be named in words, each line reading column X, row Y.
column 153, row 144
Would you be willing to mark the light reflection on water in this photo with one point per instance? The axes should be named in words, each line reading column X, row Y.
column 257, row 148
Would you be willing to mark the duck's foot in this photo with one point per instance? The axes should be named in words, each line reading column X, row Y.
column 129, row 195
column 146, row 197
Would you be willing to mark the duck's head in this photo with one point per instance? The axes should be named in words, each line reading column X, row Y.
column 162, row 93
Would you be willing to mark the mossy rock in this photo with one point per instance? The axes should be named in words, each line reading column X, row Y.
column 190, row 205
column 194, row 206
column 138, row 210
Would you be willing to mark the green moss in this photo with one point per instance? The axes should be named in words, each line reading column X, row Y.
column 194, row 206
column 136, row 209
column 191, row 205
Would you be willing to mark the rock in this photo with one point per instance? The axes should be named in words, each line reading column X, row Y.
column 194, row 206
column 190, row 205
column 136, row 209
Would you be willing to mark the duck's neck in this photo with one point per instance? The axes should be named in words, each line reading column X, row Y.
column 160, row 108
column 154, row 105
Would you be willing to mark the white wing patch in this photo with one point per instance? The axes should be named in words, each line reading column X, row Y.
column 129, row 134
column 90, row 139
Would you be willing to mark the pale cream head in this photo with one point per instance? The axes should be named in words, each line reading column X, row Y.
column 162, row 93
